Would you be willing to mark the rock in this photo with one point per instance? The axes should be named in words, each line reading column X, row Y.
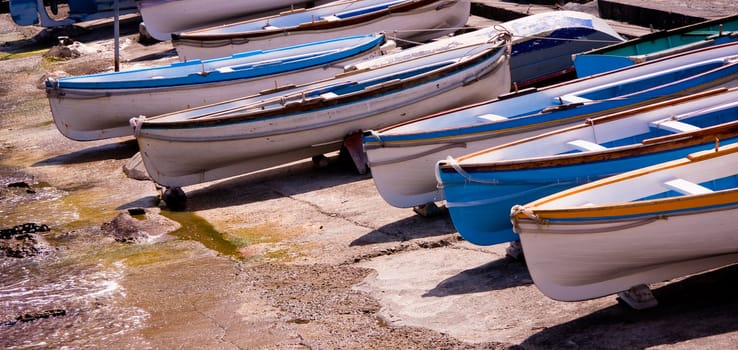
column 28, row 317
column 61, row 51
column 22, row 241
column 19, row 184
column 135, row 168
column 125, row 229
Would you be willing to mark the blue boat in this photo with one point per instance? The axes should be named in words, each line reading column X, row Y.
column 98, row 106
column 656, row 45
column 31, row 12
column 402, row 157
column 481, row 187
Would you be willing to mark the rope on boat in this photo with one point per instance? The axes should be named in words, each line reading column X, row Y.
column 519, row 209
column 454, row 164
column 136, row 123
column 376, row 135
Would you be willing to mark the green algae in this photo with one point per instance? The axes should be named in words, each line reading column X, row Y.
column 10, row 56
column 134, row 255
column 279, row 254
column 152, row 254
column 195, row 228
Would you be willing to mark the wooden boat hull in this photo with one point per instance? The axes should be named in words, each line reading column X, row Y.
column 481, row 188
column 253, row 138
column 164, row 17
column 99, row 106
column 656, row 45
column 403, row 157
column 619, row 240
column 415, row 21
column 542, row 44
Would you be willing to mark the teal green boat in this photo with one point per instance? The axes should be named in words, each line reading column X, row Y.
column 656, row 45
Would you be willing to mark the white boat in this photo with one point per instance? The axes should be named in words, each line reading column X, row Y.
column 400, row 20
column 542, row 44
column 480, row 187
column 98, row 106
column 260, row 131
column 164, row 17
column 402, row 157
column 621, row 233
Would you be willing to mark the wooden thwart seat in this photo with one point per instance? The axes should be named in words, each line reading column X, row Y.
column 328, row 95
column 584, row 145
column 569, row 99
column 686, row 187
column 492, row 117
column 674, row 126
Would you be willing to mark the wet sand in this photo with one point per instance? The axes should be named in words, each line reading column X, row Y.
column 297, row 257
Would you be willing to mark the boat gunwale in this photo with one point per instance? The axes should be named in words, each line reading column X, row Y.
column 634, row 208
column 495, row 49
column 704, row 136
column 201, row 39
column 364, row 44
column 660, row 34
column 375, row 143
column 472, row 132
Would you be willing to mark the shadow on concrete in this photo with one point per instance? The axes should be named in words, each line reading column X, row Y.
column 284, row 181
column 155, row 56
column 697, row 307
column 495, row 275
column 120, row 150
column 412, row 227
column 48, row 37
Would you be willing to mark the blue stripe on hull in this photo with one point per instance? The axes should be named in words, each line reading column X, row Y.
column 480, row 210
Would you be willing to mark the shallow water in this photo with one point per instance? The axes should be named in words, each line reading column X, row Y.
column 63, row 303
column 71, row 294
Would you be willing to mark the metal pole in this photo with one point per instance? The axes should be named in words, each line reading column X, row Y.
column 116, row 35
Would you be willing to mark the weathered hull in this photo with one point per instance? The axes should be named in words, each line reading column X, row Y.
column 415, row 24
column 542, row 44
column 419, row 144
column 220, row 148
column 481, row 188
column 618, row 241
column 94, row 113
column 164, row 17
column 657, row 45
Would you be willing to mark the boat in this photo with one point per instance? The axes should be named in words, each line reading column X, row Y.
column 656, row 45
column 164, row 17
column 402, row 157
column 624, row 232
column 542, row 44
column 272, row 128
column 481, row 187
column 32, row 12
column 98, row 106
column 401, row 20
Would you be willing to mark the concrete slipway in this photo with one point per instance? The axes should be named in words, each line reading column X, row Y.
column 294, row 257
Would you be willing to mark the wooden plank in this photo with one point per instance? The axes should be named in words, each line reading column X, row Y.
column 686, row 187
column 585, row 146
